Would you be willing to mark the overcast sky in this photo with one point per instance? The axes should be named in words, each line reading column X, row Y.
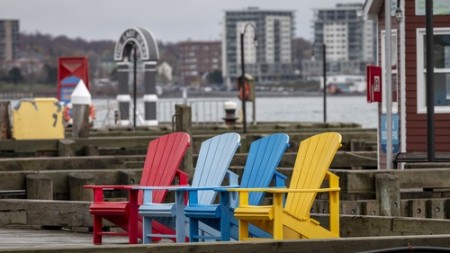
column 168, row 20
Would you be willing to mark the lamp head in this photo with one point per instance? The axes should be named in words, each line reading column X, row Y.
column 398, row 15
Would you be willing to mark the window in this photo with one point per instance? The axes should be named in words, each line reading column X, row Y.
column 441, row 50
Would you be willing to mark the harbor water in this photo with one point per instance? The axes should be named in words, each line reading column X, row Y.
column 353, row 109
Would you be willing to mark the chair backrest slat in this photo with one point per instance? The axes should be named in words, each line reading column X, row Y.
column 313, row 159
column 163, row 158
column 262, row 161
column 213, row 161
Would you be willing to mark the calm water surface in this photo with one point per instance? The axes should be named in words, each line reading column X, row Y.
column 268, row 109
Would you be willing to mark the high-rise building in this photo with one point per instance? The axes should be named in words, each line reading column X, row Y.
column 269, row 57
column 198, row 58
column 350, row 41
column 9, row 40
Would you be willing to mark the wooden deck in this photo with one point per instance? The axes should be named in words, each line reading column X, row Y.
column 57, row 241
column 31, row 238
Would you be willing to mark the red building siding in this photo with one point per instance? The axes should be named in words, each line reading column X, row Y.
column 416, row 128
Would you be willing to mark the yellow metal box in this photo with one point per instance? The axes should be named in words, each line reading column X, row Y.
column 38, row 118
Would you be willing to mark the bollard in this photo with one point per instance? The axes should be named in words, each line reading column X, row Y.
column 39, row 186
column 230, row 113
column 81, row 100
column 76, row 182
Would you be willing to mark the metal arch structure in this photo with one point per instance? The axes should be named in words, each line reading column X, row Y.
column 142, row 40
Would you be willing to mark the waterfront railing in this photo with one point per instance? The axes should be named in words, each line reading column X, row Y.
column 204, row 111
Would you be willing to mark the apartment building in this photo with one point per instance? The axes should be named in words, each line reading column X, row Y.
column 9, row 40
column 268, row 58
column 197, row 59
column 350, row 41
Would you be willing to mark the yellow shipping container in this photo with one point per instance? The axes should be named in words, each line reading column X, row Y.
column 38, row 118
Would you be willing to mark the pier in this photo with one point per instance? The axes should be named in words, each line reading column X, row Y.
column 419, row 207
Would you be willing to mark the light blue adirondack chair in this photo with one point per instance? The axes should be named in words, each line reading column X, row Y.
column 259, row 171
column 212, row 166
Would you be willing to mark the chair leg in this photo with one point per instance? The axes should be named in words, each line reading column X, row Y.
column 243, row 229
column 133, row 218
column 180, row 219
column 225, row 214
column 97, row 233
column 277, row 216
column 193, row 230
column 146, row 229
column 225, row 226
column 180, row 225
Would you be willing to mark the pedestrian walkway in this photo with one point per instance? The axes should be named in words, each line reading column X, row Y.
column 52, row 241
column 30, row 238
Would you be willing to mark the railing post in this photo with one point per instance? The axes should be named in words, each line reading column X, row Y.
column 183, row 123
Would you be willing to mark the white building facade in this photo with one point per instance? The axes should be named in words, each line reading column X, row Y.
column 269, row 57
column 350, row 41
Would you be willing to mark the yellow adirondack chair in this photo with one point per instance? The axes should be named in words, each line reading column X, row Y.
column 293, row 219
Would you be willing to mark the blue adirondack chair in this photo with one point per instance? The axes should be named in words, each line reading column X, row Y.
column 259, row 171
column 212, row 165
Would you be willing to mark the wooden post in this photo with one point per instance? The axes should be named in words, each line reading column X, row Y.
column 91, row 150
column 76, row 182
column 39, row 186
column 66, row 147
column 183, row 123
column 357, row 145
column 388, row 194
column 80, row 116
column 127, row 177
column 5, row 124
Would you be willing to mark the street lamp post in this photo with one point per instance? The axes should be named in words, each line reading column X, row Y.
column 242, row 79
column 324, row 76
column 324, row 51
column 134, row 85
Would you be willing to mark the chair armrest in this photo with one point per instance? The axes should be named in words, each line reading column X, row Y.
column 109, row 187
column 98, row 190
column 244, row 192
column 193, row 191
column 280, row 179
column 148, row 191
column 283, row 190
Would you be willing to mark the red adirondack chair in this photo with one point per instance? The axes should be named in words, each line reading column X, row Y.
column 163, row 158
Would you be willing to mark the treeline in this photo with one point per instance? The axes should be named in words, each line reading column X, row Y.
column 38, row 55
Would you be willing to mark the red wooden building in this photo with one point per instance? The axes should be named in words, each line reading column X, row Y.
column 408, row 71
